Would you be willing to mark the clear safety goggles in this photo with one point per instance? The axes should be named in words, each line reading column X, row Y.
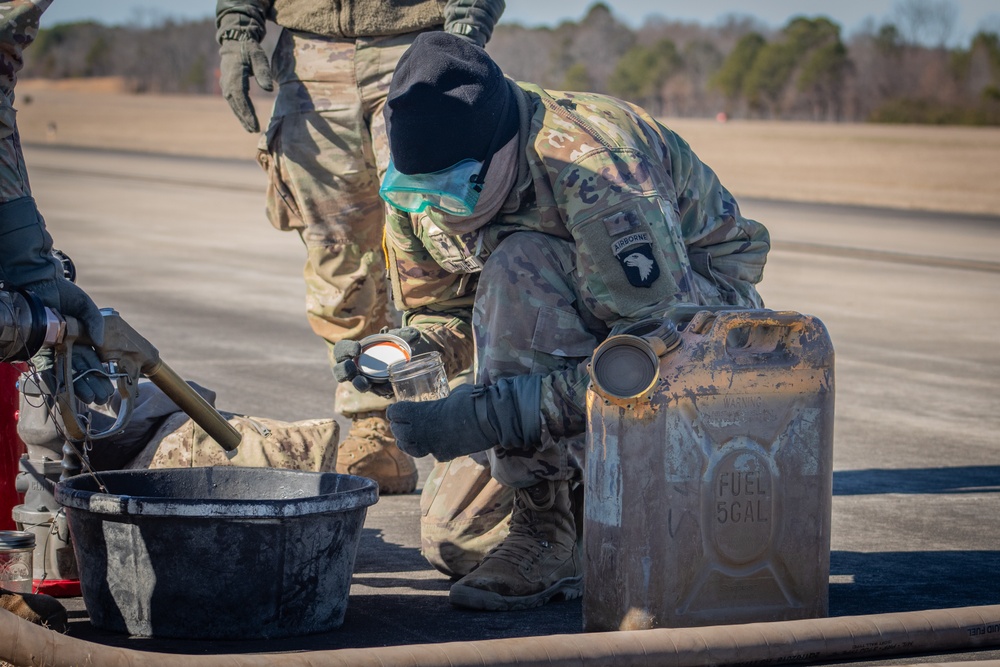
column 454, row 190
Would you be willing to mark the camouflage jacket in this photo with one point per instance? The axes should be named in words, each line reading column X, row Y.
column 651, row 224
column 361, row 18
column 18, row 28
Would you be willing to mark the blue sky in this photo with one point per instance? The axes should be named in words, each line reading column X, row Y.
column 850, row 14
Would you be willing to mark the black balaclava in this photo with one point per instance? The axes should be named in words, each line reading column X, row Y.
column 445, row 104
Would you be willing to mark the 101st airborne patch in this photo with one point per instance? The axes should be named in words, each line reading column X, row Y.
column 635, row 254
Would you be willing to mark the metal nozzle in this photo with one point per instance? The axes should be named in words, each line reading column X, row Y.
column 191, row 402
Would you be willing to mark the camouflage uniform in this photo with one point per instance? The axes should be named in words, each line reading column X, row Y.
column 612, row 220
column 325, row 151
column 325, row 148
column 18, row 28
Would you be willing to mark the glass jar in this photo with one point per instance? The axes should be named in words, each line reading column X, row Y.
column 422, row 378
column 16, row 551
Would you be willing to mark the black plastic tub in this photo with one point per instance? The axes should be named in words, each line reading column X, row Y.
column 216, row 553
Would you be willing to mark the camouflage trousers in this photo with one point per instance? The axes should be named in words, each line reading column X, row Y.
column 324, row 152
column 466, row 504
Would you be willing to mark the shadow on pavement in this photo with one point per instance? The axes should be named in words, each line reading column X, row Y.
column 375, row 554
column 376, row 619
column 960, row 479
column 876, row 583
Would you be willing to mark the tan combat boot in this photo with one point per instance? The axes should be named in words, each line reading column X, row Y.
column 369, row 450
column 40, row 609
column 537, row 561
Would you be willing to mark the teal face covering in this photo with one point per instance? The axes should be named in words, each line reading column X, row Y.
column 454, row 190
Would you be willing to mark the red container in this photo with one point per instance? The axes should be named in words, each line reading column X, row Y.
column 11, row 447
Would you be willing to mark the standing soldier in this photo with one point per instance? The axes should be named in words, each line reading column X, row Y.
column 325, row 151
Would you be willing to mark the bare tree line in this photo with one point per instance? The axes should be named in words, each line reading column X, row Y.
column 896, row 71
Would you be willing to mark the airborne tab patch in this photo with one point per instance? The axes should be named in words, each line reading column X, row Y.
column 635, row 254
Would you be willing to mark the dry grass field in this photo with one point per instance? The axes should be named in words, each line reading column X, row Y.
column 930, row 168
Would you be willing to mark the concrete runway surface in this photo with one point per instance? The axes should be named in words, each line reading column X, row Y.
column 182, row 249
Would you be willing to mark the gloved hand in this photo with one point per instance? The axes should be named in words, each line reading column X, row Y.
column 471, row 419
column 89, row 383
column 242, row 55
column 346, row 352
column 27, row 263
column 473, row 19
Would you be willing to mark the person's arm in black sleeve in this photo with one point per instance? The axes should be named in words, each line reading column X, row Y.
column 473, row 19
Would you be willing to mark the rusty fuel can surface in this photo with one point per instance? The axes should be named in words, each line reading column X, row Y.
column 709, row 471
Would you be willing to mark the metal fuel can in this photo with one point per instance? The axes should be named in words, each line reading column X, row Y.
column 708, row 482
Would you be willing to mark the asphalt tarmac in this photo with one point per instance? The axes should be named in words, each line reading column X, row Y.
column 181, row 247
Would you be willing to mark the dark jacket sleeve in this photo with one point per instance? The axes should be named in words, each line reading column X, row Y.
column 241, row 19
column 473, row 19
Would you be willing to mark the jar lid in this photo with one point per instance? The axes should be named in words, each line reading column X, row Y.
column 380, row 351
column 16, row 539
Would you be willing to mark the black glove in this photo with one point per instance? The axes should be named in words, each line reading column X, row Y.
column 241, row 55
column 346, row 352
column 27, row 263
column 90, row 384
column 471, row 419
column 473, row 19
